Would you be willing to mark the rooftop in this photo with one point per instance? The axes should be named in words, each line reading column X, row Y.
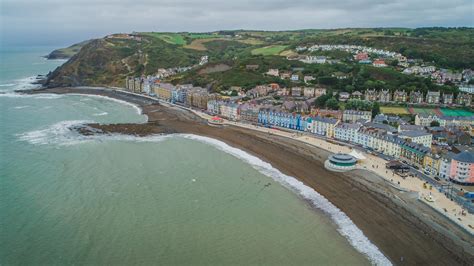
column 465, row 157
column 414, row 133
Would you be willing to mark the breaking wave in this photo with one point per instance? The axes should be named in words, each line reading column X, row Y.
column 101, row 114
column 7, row 84
column 11, row 94
column 137, row 109
column 65, row 133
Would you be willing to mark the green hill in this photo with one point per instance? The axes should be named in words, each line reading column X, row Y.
column 109, row 60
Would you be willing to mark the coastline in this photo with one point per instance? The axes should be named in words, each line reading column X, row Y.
column 370, row 204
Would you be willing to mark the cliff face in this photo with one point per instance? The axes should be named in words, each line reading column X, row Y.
column 97, row 63
column 108, row 61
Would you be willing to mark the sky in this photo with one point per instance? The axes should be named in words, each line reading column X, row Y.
column 64, row 22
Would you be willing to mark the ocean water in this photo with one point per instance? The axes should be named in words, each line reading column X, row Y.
column 175, row 200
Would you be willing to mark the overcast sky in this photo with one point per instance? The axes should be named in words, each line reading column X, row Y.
column 60, row 22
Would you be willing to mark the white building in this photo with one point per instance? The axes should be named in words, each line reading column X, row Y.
column 420, row 137
column 353, row 115
column 229, row 111
column 426, row 119
column 347, row 132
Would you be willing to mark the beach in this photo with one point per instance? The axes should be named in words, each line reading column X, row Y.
column 405, row 230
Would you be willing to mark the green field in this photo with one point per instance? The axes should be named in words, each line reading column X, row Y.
column 394, row 110
column 173, row 38
column 204, row 36
column 428, row 111
column 456, row 112
column 269, row 50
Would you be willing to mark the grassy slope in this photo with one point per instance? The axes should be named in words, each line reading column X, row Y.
column 112, row 60
column 68, row 52
column 269, row 50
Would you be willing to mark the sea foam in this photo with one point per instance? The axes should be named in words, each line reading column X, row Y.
column 65, row 133
column 136, row 107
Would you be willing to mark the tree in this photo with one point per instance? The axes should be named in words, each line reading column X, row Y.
column 375, row 109
column 434, row 123
column 332, row 103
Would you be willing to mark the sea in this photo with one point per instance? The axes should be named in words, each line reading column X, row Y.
column 171, row 200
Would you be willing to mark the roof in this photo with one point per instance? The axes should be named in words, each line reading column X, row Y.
column 357, row 112
column 411, row 128
column 349, row 125
column 465, row 157
column 385, row 127
column 414, row 133
column 326, row 119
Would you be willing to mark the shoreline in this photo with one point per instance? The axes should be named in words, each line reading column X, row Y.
column 397, row 231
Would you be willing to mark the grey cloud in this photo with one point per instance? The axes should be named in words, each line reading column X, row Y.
column 63, row 21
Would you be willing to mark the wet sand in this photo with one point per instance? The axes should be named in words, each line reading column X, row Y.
column 406, row 231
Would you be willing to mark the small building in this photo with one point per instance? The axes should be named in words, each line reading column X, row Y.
column 400, row 96
column 319, row 92
column 426, row 119
column 296, row 92
column 432, row 97
column 384, row 96
column 252, row 67
column 416, row 97
column 340, row 162
column 362, row 56
column 448, row 98
column 307, row 79
column 379, row 63
column 308, row 92
column 371, row 95
column 337, row 114
column 464, row 99
column 285, row 75
column 344, row 96
column 357, row 95
column 273, row 72
column 295, row 77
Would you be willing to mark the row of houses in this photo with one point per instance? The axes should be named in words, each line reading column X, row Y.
column 444, row 121
column 416, row 97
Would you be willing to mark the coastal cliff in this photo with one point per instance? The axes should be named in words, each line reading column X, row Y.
column 107, row 61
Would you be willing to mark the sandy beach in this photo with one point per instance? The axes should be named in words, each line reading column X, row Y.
column 407, row 231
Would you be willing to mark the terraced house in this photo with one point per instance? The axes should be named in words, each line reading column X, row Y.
column 352, row 116
column 324, row 126
column 432, row 97
column 347, row 131
column 400, row 96
column 277, row 117
column 421, row 137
